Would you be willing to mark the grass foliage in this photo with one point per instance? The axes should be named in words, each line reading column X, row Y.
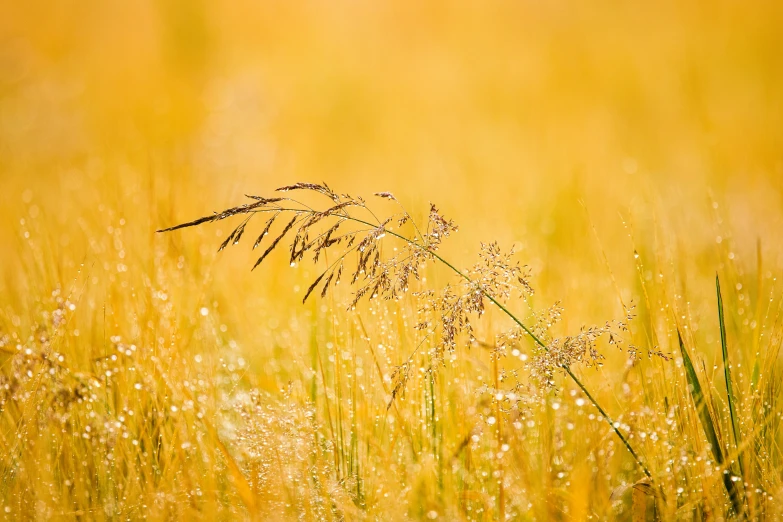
column 584, row 324
column 403, row 388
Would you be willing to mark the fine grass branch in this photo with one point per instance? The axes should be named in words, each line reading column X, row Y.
column 495, row 278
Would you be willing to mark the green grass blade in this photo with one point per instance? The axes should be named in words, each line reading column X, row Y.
column 701, row 406
column 727, row 373
column 697, row 393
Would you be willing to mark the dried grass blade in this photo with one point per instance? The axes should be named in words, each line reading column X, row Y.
column 238, row 478
column 639, row 504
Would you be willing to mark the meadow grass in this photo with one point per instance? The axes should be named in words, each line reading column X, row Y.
column 623, row 363
column 418, row 401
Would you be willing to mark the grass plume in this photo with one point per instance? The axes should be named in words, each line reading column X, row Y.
column 495, row 278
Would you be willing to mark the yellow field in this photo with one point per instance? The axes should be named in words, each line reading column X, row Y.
column 629, row 152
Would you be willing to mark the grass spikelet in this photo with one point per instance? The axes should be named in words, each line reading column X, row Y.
column 275, row 242
column 315, row 187
column 313, row 285
column 264, row 232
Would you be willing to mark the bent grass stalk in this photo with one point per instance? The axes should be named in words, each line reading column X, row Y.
column 541, row 344
column 372, row 269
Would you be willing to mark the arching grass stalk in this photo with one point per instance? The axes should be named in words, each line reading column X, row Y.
column 540, row 343
column 375, row 274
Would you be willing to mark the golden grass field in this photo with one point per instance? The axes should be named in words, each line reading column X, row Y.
column 630, row 153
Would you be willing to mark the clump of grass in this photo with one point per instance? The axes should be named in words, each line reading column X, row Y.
column 429, row 402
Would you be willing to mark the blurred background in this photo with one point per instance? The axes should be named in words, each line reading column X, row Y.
column 562, row 126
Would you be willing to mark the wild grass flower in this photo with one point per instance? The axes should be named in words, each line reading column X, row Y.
column 354, row 236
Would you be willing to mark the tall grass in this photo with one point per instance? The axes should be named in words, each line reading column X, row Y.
column 410, row 399
column 628, row 153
